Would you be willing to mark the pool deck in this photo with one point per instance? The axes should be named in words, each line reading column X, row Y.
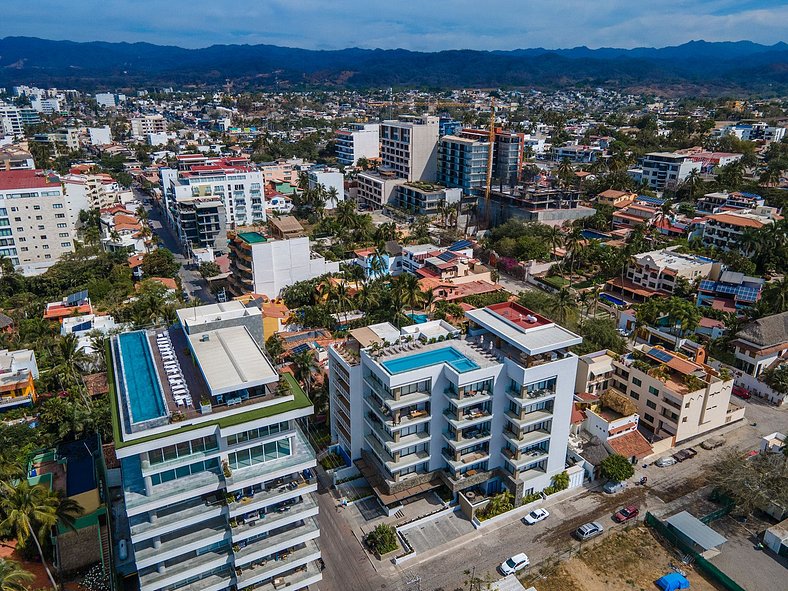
column 460, row 345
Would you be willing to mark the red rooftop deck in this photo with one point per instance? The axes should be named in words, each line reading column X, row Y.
column 519, row 315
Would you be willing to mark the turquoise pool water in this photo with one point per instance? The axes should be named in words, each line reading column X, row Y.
column 448, row 355
column 139, row 375
column 612, row 299
column 594, row 235
column 419, row 318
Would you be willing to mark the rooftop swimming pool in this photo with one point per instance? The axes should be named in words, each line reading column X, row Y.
column 449, row 355
column 145, row 398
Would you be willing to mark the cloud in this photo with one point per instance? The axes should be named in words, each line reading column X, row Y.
column 426, row 25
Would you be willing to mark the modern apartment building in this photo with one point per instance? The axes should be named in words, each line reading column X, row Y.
column 217, row 477
column 18, row 370
column 377, row 189
column 357, row 140
column 328, row 178
column 206, row 195
column 508, row 151
column 424, row 406
column 423, row 198
column 462, row 162
column 723, row 200
column 577, row 153
column 725, row 230
column 533, row 203
column 95, row 191
column 37, row 225
column 265, row 263
column 656, row 273
column 62, row 141
column 666, row 170
column 753, row 131
column 142, row 126
column 675, row 396
column 45, row 105
column 11, row 123
column 110, row 100
column 13, row 158
column 409, row 147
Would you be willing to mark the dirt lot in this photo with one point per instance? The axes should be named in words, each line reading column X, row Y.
column 628, row 559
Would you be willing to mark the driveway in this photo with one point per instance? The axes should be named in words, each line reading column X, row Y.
column 438, row 532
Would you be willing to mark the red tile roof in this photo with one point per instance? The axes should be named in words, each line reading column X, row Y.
column 27, row 179
column 630, row 444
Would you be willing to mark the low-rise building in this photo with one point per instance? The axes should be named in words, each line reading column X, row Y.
column 535, row 203
column 375, row 190
column 616, row 199
column 760, row 343
column 666, row 170
column 729, row 290
column 332, row 180
column 422, row 198
column 18, row 370
column 148, row 124
column 725, row 230
column 13, row 158
column 675, row 396
column 720, row 201
column 357, row 140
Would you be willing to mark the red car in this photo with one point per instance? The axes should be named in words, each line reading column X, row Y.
column 741, row 393
column 626, row 513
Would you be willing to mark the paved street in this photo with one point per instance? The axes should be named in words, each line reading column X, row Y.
column 193, row 283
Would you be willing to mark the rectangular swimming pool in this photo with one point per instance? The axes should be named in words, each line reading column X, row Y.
column 449, row 355
column 139, row 375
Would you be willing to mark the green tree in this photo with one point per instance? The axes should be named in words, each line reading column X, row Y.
column 160, row 263
column 13, row 577
column 560, row 481
column 209, row 269
column 617, row 468
column 382, row 539
column 274, row 346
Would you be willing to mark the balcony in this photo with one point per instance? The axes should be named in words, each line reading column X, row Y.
column 528, row 418
column 465, row 460
column 395, row 401
column 287, row 512
column 397, row 419
column 520, row 439
column 199, row 563
column 181, row 544
column 275, row 493
column 466, row 399
column 188, row 514
column 522, row 394
column 273, row 568
column 171, row 492
column 278, row 542
column 299, row 578
column 521, row 459
column 467, row 418
column 467, row 437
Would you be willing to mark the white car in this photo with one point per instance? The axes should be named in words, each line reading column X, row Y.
column 666, row 461
column 536, row 516
column 515, row 564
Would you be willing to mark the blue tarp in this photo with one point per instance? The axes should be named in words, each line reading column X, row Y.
column 673, row 581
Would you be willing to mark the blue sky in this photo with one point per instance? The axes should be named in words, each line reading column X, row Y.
column 426, row 25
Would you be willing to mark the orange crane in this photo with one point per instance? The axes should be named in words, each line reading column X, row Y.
column 488, row 184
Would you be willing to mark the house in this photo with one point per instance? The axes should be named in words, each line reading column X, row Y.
column 725, row 230
column 18, row 370
column 76, row 304
column 615, row 199
column 760, row 343
column 729, row 290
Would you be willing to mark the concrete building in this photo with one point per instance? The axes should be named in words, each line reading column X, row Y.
column 329, row 178
column 84, row 327
column 666, row 170
column 533, row 203
column 594, row 372
column 462, row 162
column 409, row 147
column 206, row 196
column 214, row 316
column 508, row 150
column 265, row 263
column 18, row 370
column 675, row 396
column 729, row 290
column 100, row 136
column 11, row 123
column 377, row 189
column 422, row 198
column 761, row 343
column 110, row 100
column 45, row 105
column 36, row 226
column 13, row 158
column 725, row 230
column 656, row 273
column 95, row 191
column 753, row 132
column 577, row 153
column 62, row 140
column 148, row 124
column 721, row 201
column 223, row 496
column 357, row 140
column 423, row 406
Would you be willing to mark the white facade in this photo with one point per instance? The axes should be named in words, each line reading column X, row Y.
column 100, row 136
column 666, row 170
column 94, row 191
column 330, row 178
column 142, row 126
column 359, row 140
column 10, row 120
column 376, row 190
column 44, row 105
column 109, row 99
column 490, row 410
column 214, row 505
column 659, row 269
column 410, row 147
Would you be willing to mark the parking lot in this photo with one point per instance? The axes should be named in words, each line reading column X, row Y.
column 438, row 532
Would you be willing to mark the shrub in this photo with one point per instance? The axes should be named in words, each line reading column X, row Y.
column 560, row 481
column 500, row 503
column 617, row 468
column 382, row 539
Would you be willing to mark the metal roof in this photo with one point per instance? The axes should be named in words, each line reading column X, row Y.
column 697, row 531
column 533, row 341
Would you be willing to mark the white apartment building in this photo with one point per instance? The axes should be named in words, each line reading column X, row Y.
column 329, row 178
column 725, row 230
column 148, row 124
column 11, row 120
column 95, row 191
column 425, row 406
column 45, row 105
column 376, row 189
column 205, row 196
column 409, row 147
column 65, row 137
column 676, row 397
column 36, row 223
column 100, row 136
column 753, row 131
column 357, row 140
column 224, row 496
column 266, row 264
column 650, row 273
column 666, row 170
column 110, row 100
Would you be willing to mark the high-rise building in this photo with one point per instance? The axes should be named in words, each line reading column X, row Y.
column 424, row 406
column 205, row 196
column 462, row 162
column 142, row 126
column 11, row 123
column 37, row 223
column 508, row 152
column 377, row 189
column 409, row 146
column 218, row 479
column 357, row 140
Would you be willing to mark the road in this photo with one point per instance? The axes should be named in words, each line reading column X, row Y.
column 193, row 283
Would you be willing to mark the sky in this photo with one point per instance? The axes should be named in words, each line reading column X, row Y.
column 425, row 25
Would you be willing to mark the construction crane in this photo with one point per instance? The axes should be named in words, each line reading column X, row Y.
column 488, row 184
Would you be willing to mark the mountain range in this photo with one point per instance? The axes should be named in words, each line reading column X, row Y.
column 694, row 67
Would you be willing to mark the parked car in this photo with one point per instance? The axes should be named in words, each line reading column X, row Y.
column 626, row 513
column 536, row 516
column 612, row 488
column 515, row 564
column 713, row 443
column 666, row 461
column 589, row 530
column 690, row 453
column 741, row 393
column 681, row 455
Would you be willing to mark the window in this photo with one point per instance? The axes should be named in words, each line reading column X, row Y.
column 57, row 206
column 634, row 395
column 63, row 235
column 36, row 207
column 258, row 433
column 686, row 405
column 65, row 244
column 24, row 249
column 40, row 227
column 653, row 391
column 62, row 225
column 637, row 382
column 684, row 420
column 47, row 256
column 651, row 404
column 44, row 246
column 182, row 471
column 266, row 452
column 60, row 216
column 21, row 238
column 39, row 218
column 183, row 449
column 17, row 219
column 647, row 417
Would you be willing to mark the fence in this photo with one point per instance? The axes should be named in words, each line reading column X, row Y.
column 701, row 563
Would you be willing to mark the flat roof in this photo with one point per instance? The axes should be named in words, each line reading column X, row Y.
column 194, row 316
column 541, row 338
column 697, row 531
column 230, row 360
column 252, row 237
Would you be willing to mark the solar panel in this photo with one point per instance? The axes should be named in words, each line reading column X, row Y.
column 82, row 326
column 446, row 256
column 707, row 285
column 300, row 348
column 77, row 298
column 460, row 245
column 722, row 288
column 663, row 356
column 748, row 294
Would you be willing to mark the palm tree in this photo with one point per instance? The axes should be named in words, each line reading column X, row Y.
column 343, row 300
column 776, row 295
column 470, row 212
column 70, row 358
column 13, row 577
column 408, row 290
column 563, row 306
column 30, row 511
column 584, row 299
column 565, row 172
column 332, row 197
column 693, row 183
column 305, row 362
column 345, row 213
column 428, row 300
column 554, row 237
column 664, row 213
column 573, row 243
